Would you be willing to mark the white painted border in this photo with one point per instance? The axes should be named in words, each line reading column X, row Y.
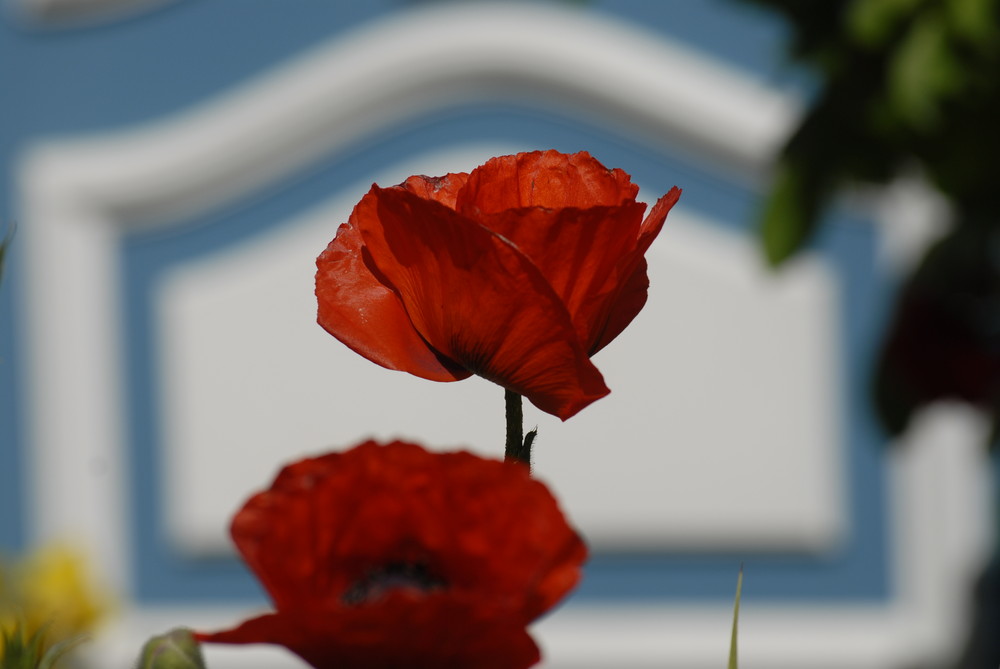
column 76, row 195
column 393, row 70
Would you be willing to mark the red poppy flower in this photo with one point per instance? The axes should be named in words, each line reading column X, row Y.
column 517, row 272
column 390, row 556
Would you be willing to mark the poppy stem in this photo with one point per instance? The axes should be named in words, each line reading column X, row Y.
column 518, row 448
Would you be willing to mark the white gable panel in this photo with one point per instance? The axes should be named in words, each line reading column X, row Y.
column 721, row 429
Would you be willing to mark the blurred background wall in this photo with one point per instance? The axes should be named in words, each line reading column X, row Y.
column 174, row 168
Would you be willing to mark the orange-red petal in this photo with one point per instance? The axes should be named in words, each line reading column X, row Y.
column 579, row 252
column 424, row 633
column 634, row 281
column 654, row 221
column 480, row 302
column 625, row 307
column 357, row 308
column 498, row 549
column 479, row 525
column 443, row 190
column 543, row 179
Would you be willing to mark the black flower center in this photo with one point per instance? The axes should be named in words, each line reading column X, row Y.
column 396, row 575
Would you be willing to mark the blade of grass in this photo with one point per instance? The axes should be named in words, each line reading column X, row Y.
column 58, row 650
column 736, row 619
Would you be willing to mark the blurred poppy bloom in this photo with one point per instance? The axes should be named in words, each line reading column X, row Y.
column 517, row 272
column 944, row 340
column 391, row 556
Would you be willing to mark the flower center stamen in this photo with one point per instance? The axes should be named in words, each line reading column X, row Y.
column 396, row 575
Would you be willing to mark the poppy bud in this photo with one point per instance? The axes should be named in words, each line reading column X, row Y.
column 177, row 649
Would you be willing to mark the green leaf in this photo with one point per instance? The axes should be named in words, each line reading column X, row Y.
column 20, row 651
column 733, row 663
column 790, row 212
column 871, row 23
column 923, row 71
column 974, row 21
column 58, row 650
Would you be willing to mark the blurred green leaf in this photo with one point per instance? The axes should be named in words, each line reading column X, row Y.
column 872, row 22
column 20, row 650
column 904, row 87
column 974, row 21
column 733, row 660
column 790, row 211
column 58, row 650
column 923, row 71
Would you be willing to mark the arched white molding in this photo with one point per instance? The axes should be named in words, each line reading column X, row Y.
column 416, row 61
column 77, row 194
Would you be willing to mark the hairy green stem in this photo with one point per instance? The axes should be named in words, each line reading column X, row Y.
column 518, row 447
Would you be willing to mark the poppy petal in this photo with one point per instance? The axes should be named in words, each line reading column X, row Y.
column 624, row 307
column 543, row 554
column 438, row 189
column 357, row 308
column 543, row 179
column 421, row 634
column 580, row 252
column 654, row 220
column 479, row 301
column 633, row 290
column 306, row 551
column 474, row 550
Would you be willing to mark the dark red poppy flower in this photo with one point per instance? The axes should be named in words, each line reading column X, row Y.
column 943, row 342
column 392, row 556
column 517, row 272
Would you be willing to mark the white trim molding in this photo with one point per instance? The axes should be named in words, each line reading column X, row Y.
column 77, row 194
column 940, row 492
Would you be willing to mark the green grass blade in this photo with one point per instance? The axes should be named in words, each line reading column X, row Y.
column 733, row 663
column 58, row 650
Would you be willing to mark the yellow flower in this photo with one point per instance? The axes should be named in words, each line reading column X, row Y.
column 50, row 588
